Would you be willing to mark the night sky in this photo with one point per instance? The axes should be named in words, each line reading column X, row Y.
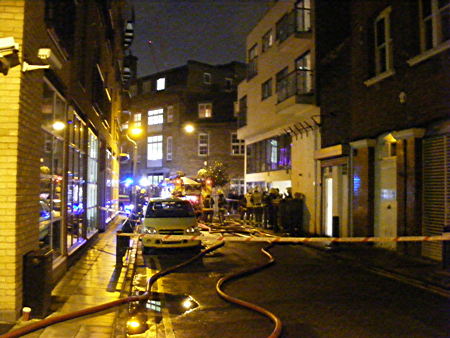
column 211, row 31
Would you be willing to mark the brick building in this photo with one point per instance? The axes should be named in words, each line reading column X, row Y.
column 196, row 94
column 384, row 83
column 59, row 134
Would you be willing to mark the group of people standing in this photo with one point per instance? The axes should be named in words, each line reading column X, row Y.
column 272, row 210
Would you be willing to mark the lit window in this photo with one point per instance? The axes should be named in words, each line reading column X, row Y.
column 304, row 74
column 383, row 42
column 155, row 116
column 267, row 40
column 207, row 78
column 303, row 15
column 204, row 110
column 203, row 144
column 169, row 148
column 170, row 112
column 435, row 23
column 161, row 83
column 237, row 145
column 154, row 148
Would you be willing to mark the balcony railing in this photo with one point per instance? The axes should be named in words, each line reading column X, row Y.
column 297, row 21
column 298, row 82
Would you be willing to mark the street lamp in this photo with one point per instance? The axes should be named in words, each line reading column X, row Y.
column 134, row 132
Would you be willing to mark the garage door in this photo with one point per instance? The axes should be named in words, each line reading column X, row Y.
column 436, row 186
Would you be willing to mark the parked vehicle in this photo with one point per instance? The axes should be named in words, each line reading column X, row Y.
column 169, row 216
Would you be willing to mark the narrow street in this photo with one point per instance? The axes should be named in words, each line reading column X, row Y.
column 313, row 295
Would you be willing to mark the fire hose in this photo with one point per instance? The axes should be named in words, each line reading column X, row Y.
column 98, row 308
column 278, row 325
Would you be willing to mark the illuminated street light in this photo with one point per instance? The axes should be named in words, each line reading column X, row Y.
column 189, row 128
column 58, row 125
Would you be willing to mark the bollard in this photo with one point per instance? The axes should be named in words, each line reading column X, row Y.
column 26, row 311
column 122, row 243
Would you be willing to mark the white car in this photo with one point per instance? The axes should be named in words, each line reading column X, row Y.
column 170, row 216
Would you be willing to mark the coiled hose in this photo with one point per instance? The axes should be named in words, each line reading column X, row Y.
column 94, row 309
column 278, row 325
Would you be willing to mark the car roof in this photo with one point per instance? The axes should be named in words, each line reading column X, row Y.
column 167, row 200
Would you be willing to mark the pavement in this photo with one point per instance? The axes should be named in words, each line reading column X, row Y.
column 96, row 279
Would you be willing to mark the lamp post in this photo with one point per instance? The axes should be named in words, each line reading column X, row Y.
column 135, row 131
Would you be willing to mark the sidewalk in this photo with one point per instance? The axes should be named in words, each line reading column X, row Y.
column 93, row 280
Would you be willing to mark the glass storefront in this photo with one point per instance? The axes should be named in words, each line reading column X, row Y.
column 92, row 177
column 269, row 155
column 76, row 180
column 51, row 170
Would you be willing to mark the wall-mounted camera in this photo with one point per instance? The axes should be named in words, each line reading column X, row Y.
column 9, row 54
column 49, row 57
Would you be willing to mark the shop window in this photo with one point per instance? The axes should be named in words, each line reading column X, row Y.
column 54, row 109
column 92, row 186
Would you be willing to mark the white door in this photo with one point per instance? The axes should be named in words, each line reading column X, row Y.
column 329, row 206
column 387, row 200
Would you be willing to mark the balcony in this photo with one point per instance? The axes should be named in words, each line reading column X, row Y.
column 295, row 90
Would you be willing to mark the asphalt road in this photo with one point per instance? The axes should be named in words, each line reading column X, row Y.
column 314, row 296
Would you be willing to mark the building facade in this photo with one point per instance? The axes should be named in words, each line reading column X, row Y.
column 384, row 83
column 198, row 95
column 278, row 112
column 60, row 100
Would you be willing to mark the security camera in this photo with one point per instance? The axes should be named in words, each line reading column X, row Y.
column 8, row 45
column 9, row 54
column 49, row 57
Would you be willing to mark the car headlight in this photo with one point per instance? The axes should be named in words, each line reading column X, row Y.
column 191, row 230
column 150, row 231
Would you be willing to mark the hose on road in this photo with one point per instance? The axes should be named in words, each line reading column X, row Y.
column 94, row 309
column 277, row 322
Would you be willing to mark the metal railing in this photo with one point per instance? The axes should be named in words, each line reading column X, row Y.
column 298, row 82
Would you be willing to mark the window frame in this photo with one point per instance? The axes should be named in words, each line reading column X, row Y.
column 160, row 84
column 170, row 112
column 205, row 105
column 267, row 41
column 266, row 89
column 169, row 148
column 157, row 118
column 238, row 144
column 201, row 145
column 158, row 141
column 384, row 16
column 207, row 78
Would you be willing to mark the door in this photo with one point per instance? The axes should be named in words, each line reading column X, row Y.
column 328, row 206
column 386, row 208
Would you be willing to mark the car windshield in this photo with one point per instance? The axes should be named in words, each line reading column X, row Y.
column 166, row 209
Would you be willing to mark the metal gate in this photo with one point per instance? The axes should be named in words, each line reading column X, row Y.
column 436, row 186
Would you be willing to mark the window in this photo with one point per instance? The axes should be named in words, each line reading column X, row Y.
column 266, row 89
column 155, row 179
column 161, row 83
column 252, row 67
column 146, row 86
column 383, row 42
column 170, row 112
column 267, row 40
column 169, row 148
column 435, row 23
column 269, row 155
column 228, row 84
column 154, row 148
column 237, row 145
column 155, row 116
column 204, row 110
column 203, row 144
column 242, row 115
column 92, row 188
column 207, row 78
column 303, row 15
column 282, row 84
column 304, row 74
column 137, row 120
column 285, row 27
